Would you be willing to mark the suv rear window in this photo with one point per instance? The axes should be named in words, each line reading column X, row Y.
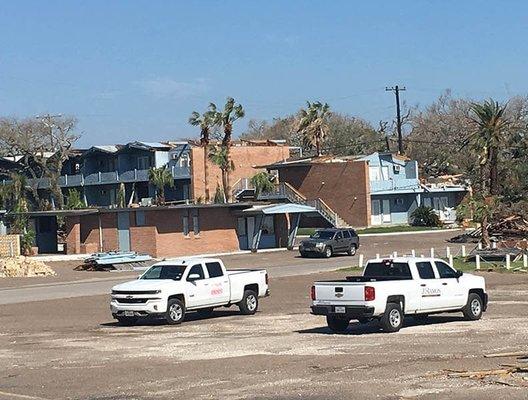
column 346, row 234
column 388, row 268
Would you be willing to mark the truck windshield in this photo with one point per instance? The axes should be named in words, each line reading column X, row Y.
column 322, row 235
column 174, row 272
column 389, row 269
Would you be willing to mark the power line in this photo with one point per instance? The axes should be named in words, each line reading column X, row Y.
column 396, row 89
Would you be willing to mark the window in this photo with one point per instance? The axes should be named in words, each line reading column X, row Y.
column 241, row 226
column 198, row 270
column 427, row 202
column 214, row 269
column 196, row 226
column 267, row 225
column 174, row 272
column 353, row 233
column 184, row 160
column 140, row 218
column 339, row 235
column 185, row 221
column 425, row 270
column 374, row 174
column 388, row 268
column 322, row 235
column 143, row 162
column 398, row 201
column 444, row 270
column 347, row 234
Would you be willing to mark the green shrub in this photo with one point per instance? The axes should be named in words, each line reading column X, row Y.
column 425, row 216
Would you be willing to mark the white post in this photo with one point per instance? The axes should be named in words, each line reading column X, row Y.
column 508, row 261
column 477, row 261
column 480, row 245
column 361, row 261
column 493, row 245
column 377, row 256
column 451, row 260
column 448, row 252
column 422, row 256
column 525, row 260
column 395, row 254
column 463, row 251
column 413, row 253
column 432, row 252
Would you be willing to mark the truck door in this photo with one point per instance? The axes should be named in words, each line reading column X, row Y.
column 218, row 290
column 455, row 295
column 430, row 287
column 196, row 287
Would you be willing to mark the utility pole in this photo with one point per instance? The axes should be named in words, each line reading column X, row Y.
column 396, row 89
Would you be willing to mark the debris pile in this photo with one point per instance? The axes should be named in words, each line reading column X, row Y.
column 11, row 267
column 514, row 226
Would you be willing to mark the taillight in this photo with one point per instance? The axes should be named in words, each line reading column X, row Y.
column 370, row 293
column 312, row 293
column 267, row 280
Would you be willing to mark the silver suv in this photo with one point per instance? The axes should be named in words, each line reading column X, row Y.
column 325, row 242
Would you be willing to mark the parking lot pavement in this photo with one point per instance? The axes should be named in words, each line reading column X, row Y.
column 69, row 283
column 71, row 348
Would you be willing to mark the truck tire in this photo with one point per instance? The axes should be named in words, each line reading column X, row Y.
column 249, row 303
column 127, row 321
column 327, row 252
column 175, row 312
column 392, row 319
column 473, row 309
column 337, row 325
column 352, row 250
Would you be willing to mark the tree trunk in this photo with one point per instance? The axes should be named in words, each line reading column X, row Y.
column 493, row 172
column 206, row 176
column 56, row 191
column 225, row 183
column 227, row 187
column 485, row 234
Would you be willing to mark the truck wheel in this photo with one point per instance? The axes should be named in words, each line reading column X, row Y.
column 328, row 252
column 126, row 321
column 473, row 309
column 249, row 303
column 352, row 250
column 338, row 325
column 392, row 319
column 175, row 312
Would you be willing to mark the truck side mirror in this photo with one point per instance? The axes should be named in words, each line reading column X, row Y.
column 193, row 277
column 459, row 273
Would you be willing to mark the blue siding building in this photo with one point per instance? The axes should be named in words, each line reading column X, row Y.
column 396, row 191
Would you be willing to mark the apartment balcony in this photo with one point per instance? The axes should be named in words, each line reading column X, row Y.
column 391, row 185
column 107, row 178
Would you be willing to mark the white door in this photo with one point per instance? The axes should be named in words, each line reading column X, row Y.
column 430, row 287
column 386, row 211
column 375, row 217
column 218, row 289
column 453, row 293
column 197, row 290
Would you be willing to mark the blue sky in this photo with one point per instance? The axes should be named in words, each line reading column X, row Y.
column 137, row 69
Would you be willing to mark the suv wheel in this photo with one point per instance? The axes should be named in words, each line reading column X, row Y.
column 392, row 319
column 328, row 252
column 352, row 250
column 473, row 309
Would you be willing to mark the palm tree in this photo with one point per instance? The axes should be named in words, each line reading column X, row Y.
column 313, row 124
column 225, row 119
column 205, row 121
column 161, row 177
column 486, row 140
column 219, row 156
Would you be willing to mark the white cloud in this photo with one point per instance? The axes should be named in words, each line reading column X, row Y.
column 169, row 88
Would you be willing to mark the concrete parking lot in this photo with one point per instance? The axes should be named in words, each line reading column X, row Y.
column 70, row 348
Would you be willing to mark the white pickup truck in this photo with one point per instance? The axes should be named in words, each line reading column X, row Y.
column 390, row 289
column 169, row 289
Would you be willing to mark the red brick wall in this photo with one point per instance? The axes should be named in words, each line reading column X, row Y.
column 244, row 158
column 343, row 186
column 73, row 235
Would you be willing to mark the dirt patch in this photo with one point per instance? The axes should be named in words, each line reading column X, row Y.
column 23, row 267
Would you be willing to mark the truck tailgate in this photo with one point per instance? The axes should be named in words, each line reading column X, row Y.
column 339, row 292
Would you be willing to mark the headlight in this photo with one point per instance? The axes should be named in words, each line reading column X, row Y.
column 319, row 245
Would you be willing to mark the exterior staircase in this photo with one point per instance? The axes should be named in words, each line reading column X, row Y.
column 284, row 191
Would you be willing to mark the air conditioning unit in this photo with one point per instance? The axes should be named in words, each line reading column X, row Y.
column 146, row 202
column 396, row 169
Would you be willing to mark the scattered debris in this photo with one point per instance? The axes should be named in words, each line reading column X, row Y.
column 512, row 226
column 115, row 260
column 22, row 266
column 519, row 354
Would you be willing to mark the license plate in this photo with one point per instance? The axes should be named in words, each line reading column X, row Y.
column 340, row 310
column 129, row 313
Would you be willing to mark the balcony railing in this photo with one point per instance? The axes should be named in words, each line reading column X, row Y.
column 394, row 185
column 101, row 178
